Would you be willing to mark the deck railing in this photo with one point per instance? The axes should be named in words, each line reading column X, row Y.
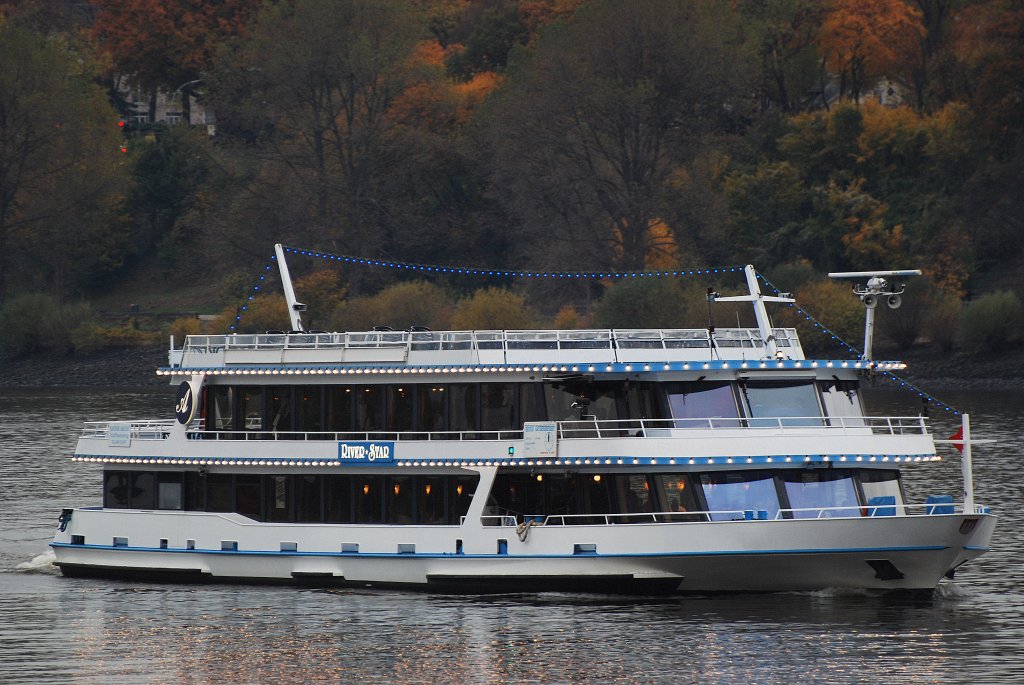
column 576, row 429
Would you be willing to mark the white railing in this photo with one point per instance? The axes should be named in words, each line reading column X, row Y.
column 666, row 339
column 581, row 429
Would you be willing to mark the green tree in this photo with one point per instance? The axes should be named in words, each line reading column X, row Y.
column 62, row 176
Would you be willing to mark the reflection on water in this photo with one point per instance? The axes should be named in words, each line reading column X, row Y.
column 57, row 630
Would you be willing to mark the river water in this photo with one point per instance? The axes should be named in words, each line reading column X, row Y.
column 60, row 630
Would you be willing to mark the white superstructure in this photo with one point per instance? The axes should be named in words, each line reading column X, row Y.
column 617, row 460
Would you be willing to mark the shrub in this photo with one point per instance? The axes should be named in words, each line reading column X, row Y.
column 92, row 337
column 942, row 321
column 493, row 309
column 34, row 322
column 641, row 303
column 833, row 306
column 263, row 313
column 400, row 306
column 993, row 321
column 568, row 319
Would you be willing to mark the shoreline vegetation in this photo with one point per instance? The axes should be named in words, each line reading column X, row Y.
column 928, row 368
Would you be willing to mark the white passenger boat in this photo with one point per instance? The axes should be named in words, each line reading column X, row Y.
column 473, row 461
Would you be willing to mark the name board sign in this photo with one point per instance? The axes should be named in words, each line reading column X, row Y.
column 540, row 439
column 366, row 452
column 185, row 404
column 119, row 433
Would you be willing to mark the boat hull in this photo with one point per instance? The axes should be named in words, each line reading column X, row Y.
column 904, row 553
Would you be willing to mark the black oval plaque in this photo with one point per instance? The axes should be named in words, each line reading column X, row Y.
column 185, row 406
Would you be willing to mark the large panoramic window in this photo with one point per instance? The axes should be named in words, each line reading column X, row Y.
column 820, row 494
column 791, row 403
column 881, row 484
column 842, row 402
column 703, row 404
column 730, row 494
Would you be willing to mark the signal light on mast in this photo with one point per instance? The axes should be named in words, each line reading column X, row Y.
column 120, row 124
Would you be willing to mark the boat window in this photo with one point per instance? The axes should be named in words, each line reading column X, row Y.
column 531, row 402
column 309, row 417
column 559, row 400
column 642, row 401
column 193, row 491
column 676, row 495
column 497, row 406
column 277, row 498
column 279, row 408
column 400, row 407
column 430, row 404
column 219, row 492
column 460, row 493
column 703, row 404
column 881, row 484
column 562, row 494
column 307, row 498
column 596, row 495
column 369, row 493
column 247, row 495
column 464, row 412
column 791, row 403
column 338, row 499
column 369, row 408
column 339, row 414
column 116, row 488
column 633, row 494
column 730, row 494
column 430, row 500
column 169, row 491
column 221, row 407
column 251, row 407
column 143, row 490
column 401, row 499
column 817, row 494
column 842, row 399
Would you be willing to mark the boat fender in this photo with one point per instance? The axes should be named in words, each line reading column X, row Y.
column 65, row 518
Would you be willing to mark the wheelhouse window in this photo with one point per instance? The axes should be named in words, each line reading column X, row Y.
column 730, row 494
column 881, row 484
column 703, row 404
column 789, row 403
column 818, row 494
column 842, row 401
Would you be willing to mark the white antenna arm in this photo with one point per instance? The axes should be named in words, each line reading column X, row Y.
column 294, row 307
column 764, row 323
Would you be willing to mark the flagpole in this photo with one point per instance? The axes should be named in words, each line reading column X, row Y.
column 965, row 466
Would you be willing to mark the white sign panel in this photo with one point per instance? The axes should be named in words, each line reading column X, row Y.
column 120, row 433
column 540, row 439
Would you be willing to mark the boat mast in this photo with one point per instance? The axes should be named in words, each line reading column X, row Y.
column 295, row 308
column 764, row 323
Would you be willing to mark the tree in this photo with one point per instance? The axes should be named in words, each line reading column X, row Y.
column 862, row 39
column 166, row 45
column 62, row 176
column 585, row 139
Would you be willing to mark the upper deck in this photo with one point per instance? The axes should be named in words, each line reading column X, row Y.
column 414, row 348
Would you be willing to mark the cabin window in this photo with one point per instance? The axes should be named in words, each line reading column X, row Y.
column 562, row 494
column 309, row 416
column 339, row 414
column 400, row 407
column 531, row 402
column 143, row 490
column 559, row 401
column 703, row 404
column 460, row 493
column 633, row 494
column 219, row 492
column 307, row 498
column 789, row 403
column 464, row 411
column 279, row 409
column 277, row 493
column 369, row 408
column 729, row 494
column 595, row 495
column 817, row 494
column 430, row 404
column 116, row 489
column 251, row 408
column 193, row 491
column 338, row 499
column 881, row 484
column 247, row 495
column 222, row 406
column 401, row 497
column 676, row 495
column 369, row 496
column 430, row 500
column 169, row 491
column 842, row 400
column 498, row 406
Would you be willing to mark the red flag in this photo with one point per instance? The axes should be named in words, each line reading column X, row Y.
column 959, row 435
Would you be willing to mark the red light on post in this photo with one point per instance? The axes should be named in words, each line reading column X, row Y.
column 120, row 123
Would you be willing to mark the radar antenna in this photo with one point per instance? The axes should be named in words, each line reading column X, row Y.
column 874, row 288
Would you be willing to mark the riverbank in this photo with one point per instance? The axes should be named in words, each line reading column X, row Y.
column 928, row 368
